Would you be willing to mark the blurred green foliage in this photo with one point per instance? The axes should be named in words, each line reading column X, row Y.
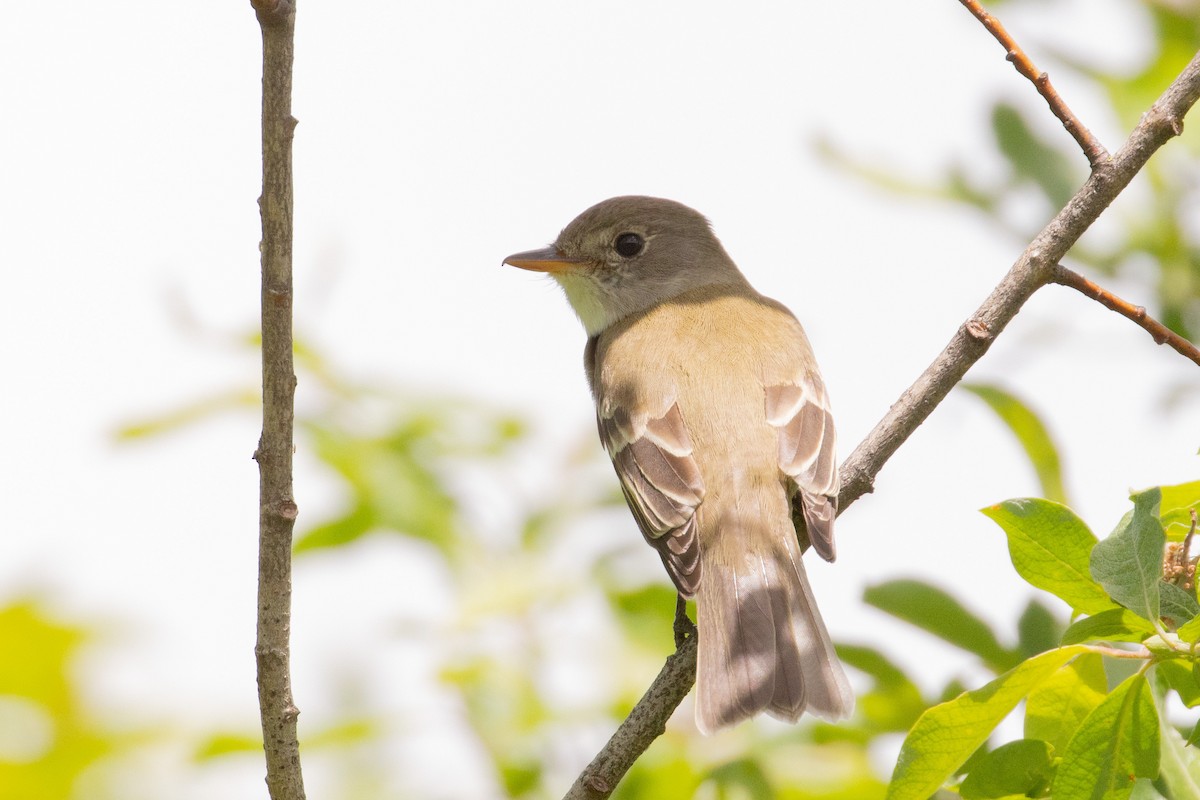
column 1031, row 434
column 1042, row 170
column 48, row 740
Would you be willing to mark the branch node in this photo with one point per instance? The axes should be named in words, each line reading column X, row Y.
column 978, row 330
column 273, row 12
column 1175, row 123
column 597, row 784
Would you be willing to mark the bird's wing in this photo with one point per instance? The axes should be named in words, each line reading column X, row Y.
column 807, row 453
column 662, row 485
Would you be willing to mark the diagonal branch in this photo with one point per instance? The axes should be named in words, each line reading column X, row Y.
column 1032, row 270
column 277, row 508
column 1161, row 333
column 1092, row 148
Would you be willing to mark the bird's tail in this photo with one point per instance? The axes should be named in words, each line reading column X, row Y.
column 763, row 644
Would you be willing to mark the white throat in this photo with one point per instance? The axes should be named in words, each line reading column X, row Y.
column 587, row 300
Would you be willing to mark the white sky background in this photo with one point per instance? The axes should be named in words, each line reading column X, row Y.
column 435, row 139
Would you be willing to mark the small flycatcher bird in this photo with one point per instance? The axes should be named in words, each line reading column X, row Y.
column 710, row 404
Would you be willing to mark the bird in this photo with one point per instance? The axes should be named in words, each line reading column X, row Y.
column 711, row 406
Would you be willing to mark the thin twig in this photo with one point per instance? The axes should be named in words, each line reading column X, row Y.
column 1031, row 271
column 277, row 508
column 1161, row 333
column 1116, row 652
column 1092, row 148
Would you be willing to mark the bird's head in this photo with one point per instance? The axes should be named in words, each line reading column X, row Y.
column 627, row 254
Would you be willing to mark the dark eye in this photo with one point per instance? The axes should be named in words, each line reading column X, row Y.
column 629, row 244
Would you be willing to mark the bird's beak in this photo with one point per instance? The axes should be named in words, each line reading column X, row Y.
column 546, row 259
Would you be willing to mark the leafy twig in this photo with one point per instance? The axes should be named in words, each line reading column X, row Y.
column 1034, row 269
column 277, row 508
column 1092, row 148
column 1161, row 333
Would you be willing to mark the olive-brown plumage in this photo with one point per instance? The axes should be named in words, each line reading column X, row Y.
column 710, row 404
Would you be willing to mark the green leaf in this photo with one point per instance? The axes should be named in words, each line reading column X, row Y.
column 191, row 414
column 1116, row 743
column 337, row 532
column 1182, row 678
column 1021, row 768
column 947, row 734
column 1055, row 709
column 895, row 702
column 1191, row 631
column 1177, row 605
column 1050, row 547
column 392, row 482
column 645, row 613
column 1128, row 564
column 348, row 732
column 746, row 774
column 1038, row 629
column 1179, row 769
column 228, row 743
column 1114, row 625
column 933, row 610
column 1031, row 158
column 1175, row 508
column 1194, row 736
column 1031, row 434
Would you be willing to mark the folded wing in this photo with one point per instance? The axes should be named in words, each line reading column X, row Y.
column 808, row 453
column 662, row 484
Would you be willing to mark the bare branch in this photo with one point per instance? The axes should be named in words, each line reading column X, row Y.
column 1161, row 333
column 645, row 723
column 1034, row 269
column 1092, row 148
column 277, row 508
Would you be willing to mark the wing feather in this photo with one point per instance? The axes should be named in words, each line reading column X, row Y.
column 662, row 485
column 808, row 453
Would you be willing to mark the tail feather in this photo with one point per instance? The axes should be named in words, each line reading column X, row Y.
column 790, row 697
column 828, row 691
column 763, row 644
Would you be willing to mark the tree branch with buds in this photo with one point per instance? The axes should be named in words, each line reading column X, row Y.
column 277, row 508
